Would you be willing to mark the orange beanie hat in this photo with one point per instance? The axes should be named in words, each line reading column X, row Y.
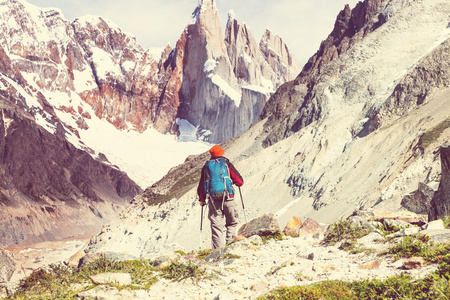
column 216, row 151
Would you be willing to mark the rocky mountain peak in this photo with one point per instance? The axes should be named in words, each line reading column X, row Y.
column 277, row 53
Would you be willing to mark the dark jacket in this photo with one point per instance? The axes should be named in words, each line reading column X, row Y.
column 235, row 177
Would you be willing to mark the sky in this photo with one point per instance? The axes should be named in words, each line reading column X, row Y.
column 302, row 24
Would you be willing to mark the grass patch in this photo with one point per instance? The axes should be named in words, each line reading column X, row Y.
column 276, row 237
column 434, row 286
column 178, row 271
column 418, row 245
column 433, row 134
column 62, row 282
column 446, row 220
column 343, row 230
column 323, row 290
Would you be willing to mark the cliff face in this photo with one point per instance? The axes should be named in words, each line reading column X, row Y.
column 227, row 82
column 440, row 204
column 48, row 188
column 298, row 103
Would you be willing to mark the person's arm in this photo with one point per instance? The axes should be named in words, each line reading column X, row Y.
column 234, row 175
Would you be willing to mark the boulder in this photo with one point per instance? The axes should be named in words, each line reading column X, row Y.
column 262, row 226
column 370, row 266
column 436, row 224
column 440, row 205
column 7, row 266
column 407, row 216
column 292, row 228
column 310, row 227
column 361, row 222
column 163, row 261
column 414, row 263
column 75, row 260
column 419, row 201
column 395, row 224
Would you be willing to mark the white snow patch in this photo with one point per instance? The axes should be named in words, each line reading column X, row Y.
column 226, row 88
column 258, row 89
column 6, row 122
column 96, row 20
column 146, row 157
column 209, row 65
column 104, row 63
column 29, row 99
column 128, row 65
column 83, row 81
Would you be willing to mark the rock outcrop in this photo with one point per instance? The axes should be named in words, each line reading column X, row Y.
column 49, row 189
column 7, row 266
column 429, row 75
column 226, row 83
column 419, row 201
column 440, row 205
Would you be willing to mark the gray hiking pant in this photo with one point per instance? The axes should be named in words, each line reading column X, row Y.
column 222, row 220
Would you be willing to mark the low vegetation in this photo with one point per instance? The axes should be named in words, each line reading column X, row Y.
column 433, row 286
column 343, row 230
column 62, row 282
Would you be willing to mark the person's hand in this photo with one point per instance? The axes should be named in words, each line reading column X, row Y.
column 202, row 202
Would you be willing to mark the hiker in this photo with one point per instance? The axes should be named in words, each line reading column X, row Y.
column 218, row 175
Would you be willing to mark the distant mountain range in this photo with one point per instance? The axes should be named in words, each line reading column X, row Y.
column 63, row 81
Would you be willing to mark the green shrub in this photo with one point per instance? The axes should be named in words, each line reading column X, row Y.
column 52, row 283
column 343, row 230
column 397, row 287
column 202, row 254
column 58, row 281
column 324, row 290
column 276, row 237
column 418, row 245
column 444, row 267
column 446, row 220
column 178, row 271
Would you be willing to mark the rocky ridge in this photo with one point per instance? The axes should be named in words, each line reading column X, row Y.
column 49, row 189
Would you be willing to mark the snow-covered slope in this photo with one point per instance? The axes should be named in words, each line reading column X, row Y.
column 334, row 165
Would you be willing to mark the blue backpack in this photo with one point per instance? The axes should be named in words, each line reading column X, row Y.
column 218, row 182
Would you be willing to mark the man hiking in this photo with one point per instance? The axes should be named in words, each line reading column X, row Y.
column 218, row 175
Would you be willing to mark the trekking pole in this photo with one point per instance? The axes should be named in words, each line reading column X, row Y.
column 243, row 207
column 201, row 230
